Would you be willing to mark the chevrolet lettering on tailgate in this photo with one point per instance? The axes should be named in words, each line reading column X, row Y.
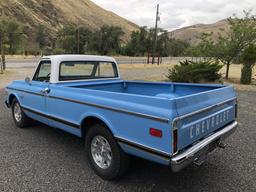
column 210, row 123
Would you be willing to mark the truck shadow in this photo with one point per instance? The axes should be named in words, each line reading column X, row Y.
column 142, row 175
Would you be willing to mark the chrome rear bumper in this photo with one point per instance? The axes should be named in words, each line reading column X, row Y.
column 201, row 149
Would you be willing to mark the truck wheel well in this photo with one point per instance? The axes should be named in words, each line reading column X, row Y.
column 89, row 122
column 11, row 97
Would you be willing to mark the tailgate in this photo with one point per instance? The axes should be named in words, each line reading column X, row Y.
column 202, row 114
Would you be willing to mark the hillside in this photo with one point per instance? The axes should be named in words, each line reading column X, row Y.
column 193, row 33
column 53, row 14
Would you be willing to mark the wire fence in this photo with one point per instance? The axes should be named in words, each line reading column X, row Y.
column 32, row 62
column 163, row 60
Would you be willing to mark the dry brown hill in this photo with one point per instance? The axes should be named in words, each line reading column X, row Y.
column 193, row 33
column 53, row 14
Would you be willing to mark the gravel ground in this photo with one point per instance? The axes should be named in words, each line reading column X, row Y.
column 45, row 159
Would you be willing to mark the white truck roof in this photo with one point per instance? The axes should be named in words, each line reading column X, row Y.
column 57, row 59
column 61, row 58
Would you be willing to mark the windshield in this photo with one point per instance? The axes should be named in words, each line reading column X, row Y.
column 81, row 70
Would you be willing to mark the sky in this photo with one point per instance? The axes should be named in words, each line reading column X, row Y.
column 176, row 14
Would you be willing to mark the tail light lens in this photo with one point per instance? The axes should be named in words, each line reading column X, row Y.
column 155, row 132
column 175, row 141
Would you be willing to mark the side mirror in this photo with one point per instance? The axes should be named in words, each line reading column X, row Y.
column 28, row 80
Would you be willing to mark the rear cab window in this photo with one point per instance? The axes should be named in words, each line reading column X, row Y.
column 83, row 70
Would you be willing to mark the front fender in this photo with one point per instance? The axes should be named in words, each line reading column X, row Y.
column 9, row 97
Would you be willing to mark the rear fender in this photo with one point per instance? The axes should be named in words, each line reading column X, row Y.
column 100, row 117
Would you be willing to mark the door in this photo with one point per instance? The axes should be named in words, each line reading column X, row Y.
column 35, row 93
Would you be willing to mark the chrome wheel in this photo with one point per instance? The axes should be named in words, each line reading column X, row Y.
column 17, row 112
column 101, row 152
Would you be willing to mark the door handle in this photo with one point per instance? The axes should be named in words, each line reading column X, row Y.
column 45, row 91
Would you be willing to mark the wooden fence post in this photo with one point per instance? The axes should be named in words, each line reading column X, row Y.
column 1, row 66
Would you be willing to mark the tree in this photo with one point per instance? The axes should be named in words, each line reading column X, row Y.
column 230, row 46
column 178, row 48
column 11, row 33
column 107, row 40
column 3, row 36
column 141, row 42
column 138, row 44
column 14, row 33
column 10, row 37
column 84, row 39
column 249, row 59
column 41, row 37
column 68, row 39
column 163, row 44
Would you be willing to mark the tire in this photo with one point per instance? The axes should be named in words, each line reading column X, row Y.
column 19, row 117
column 117, row 162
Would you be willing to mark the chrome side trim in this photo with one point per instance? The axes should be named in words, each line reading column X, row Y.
column 164, row 120
column 30, row 92
column 152, row 117
column 143, row 147
column 155, row 155
column 180, row 161
column 63, row 121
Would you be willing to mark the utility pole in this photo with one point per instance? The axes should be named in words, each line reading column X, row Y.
column 155, row 38
column 1, row 48
column 78, row 40
column 2, row 60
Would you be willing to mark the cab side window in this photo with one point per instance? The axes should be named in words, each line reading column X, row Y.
column 43, row 72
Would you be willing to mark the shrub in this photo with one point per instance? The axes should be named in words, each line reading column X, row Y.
column 195, row 72
column 249, row 59
column 246, row 74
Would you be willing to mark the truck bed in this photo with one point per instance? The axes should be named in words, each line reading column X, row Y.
column 161, row 90
column 198, row 110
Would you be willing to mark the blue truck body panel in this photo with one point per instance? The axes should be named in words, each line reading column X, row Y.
column 129, row 109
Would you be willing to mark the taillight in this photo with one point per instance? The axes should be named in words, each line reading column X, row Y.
column 175, row 141
column 155, row 132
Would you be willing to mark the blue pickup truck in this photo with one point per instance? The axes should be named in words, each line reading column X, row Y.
column 174, row 124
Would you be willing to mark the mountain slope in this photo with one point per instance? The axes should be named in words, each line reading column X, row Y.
column 193, row 33
column 54, row 14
